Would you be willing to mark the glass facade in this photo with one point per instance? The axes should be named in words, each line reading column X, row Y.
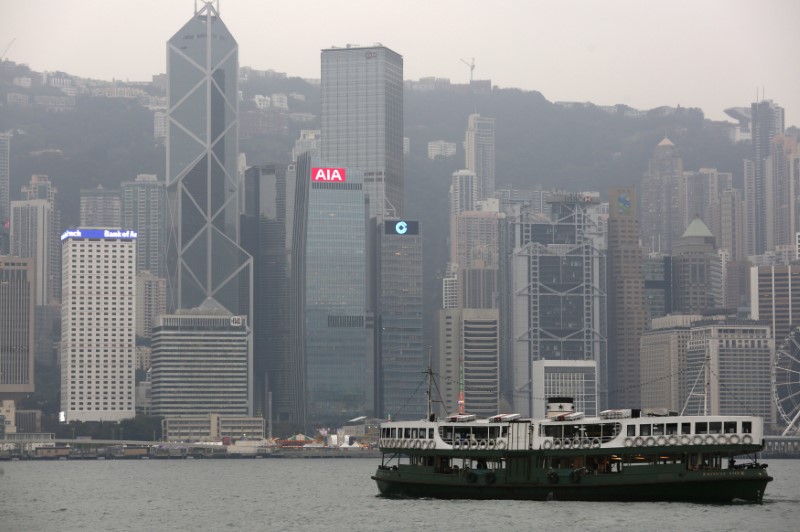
column 143, row 204
column 338, row 349
column 203, row 252
column 362, row 120
column 401, row 360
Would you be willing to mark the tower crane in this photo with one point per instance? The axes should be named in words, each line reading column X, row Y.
column 471, row 65
column 5, row 50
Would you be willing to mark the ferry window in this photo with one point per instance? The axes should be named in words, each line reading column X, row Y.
column 430, row 434
column 644, row 430
column 747, row 427
column 730, row 427
column 394, row 433
column 686, row 428
column 406, row 433
column 715, row 427
column 414, row 433
column 672, row 428
column 701, row 427
column 552, row 431
column 447, row 433
column 658, row 429
column 631, row 430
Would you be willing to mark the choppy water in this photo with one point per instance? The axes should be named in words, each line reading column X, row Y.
column 332, row 494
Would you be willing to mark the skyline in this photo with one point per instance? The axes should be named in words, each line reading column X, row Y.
column 595, row 60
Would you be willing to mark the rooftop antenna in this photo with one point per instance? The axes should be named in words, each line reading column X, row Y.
column 471, row 65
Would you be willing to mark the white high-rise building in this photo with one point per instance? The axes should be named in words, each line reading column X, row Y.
column 479, row 150
column 98, row 325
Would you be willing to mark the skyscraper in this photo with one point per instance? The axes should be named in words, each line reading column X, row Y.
column 101, row 207
column 663, row 211
column 767, row 122
column 626, row 312
column 5, row 190
column 31, row 228
column 203, row 253
column 339, row 355
column 41, row 188
column 479, row 144
column 697, row 282
column 143, row 206
column 557, row 277
column 98, row 328
column 362, row 120
column 17, row 303
column 400, row 357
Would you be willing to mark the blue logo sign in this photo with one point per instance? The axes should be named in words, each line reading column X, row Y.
column 401, row 227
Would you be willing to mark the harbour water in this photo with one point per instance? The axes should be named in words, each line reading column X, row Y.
column 327, row 494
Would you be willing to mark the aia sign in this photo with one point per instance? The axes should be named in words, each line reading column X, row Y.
column 329, row 175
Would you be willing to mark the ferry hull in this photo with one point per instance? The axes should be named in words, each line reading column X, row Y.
column 705, row 489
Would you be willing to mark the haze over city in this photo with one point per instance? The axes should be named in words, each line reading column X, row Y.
column 712, row 55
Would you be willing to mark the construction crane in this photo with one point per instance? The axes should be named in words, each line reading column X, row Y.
column 5, row 51
column 471, row 65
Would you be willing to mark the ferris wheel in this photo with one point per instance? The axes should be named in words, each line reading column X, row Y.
column 786, row 380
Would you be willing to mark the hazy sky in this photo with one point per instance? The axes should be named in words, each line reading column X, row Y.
column 710, row 54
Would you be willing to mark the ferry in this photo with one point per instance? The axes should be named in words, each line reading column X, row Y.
column 619, row 455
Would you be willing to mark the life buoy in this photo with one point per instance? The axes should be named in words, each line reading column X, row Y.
column 482, row 445
column 596, row 443
column 552, row 477
column 650, row 441
column 672, row 440
column 711, row 439
column 576, row 443
column 457, row 445
column 556, row 443
column 501, row 444
column 491, row 444
column 490, row 478
column 473, row 445
column 472, row 477
column 417, row 444
column 547, row 445
column 628, row 442
column 585, row 443
column 566, row 443
column 734, row 439
column 747, row 439
column 685, row 440
column 697, row 440
column 722, row 439
column 661, row 440
column 638, row 442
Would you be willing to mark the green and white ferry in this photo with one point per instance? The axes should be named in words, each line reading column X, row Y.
column 620, row 455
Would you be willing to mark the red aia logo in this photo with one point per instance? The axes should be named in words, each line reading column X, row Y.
column 338, row 175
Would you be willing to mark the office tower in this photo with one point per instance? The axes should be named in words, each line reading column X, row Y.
column 733, row 359
column 728, row 223
column 469, row 360
column 267, row 233
column 566, row 378
column 339, row 360
column 557, row 281
column 479, row 148
column 783, row 191
column 31, row 230
column 464, row 193
column 663, row 212
column 151, row 301
column 5, row 190
column 663, row 359
column 441, row 149
column 199, row 363
column 143, row 209
column 41, row 188
column 657, row 274
column 474, row 249
column 204, row 259
column 101, row 207
column 702, row 192
column 401, row 360
column 775, row 297
column 626, row 311
column 17, row 302
column 309, row 141
column 98, row 326
column 450, row 287
column 697, row 282
column 767, row 122
column 362, row 120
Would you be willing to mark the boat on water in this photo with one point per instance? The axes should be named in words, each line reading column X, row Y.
column 620, row 455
